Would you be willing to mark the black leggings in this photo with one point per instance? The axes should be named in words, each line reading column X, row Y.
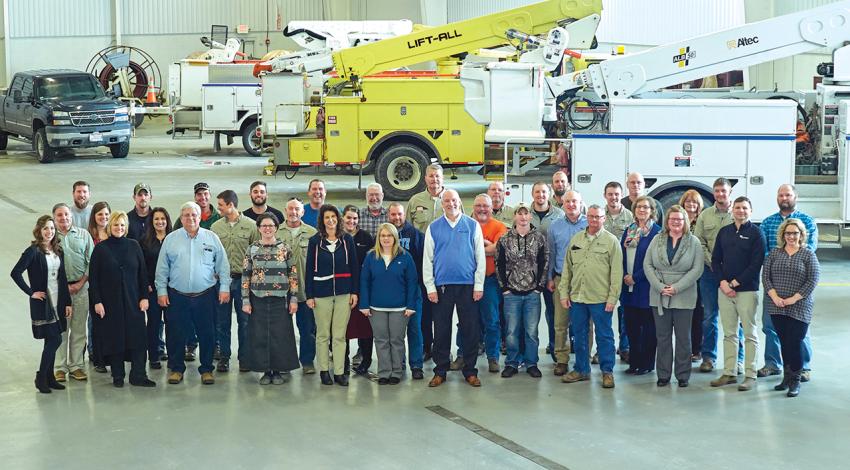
column 48, row 354
column 791, row 333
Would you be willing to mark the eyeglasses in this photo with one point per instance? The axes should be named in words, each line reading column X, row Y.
column 595, row 217
column 267, row 226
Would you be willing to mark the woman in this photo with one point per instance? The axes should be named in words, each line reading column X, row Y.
column 673, row 265
column 269, row 284
column 332, row 281
column 358, row 325
column 635, row 296
column 98, row 220
column 151, row 243
column 691, row 201
column 790, row 274
column 50, row 300
column 389, row 285
column 118, row 289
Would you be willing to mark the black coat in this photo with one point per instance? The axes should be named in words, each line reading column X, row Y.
column 118, row 279
column 34, row 262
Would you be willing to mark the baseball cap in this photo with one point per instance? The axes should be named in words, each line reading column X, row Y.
column 201, row 187
column 140, row 187
column 521, row 205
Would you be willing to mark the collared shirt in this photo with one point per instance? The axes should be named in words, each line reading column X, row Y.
column 236, row 237
column 77, row 247
column 617, row 224
column 561, row 232
column 770, row 227
column 80, row 216
column 738, row 255
column 192, row 265
column 423, row 208
column 505, row 214
column 709, row 223
column 593, row 269
column 543, row 223
column 370, row 223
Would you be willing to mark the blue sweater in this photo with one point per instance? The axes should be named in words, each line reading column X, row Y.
column 328, row 274
column 390, row 286
column 456, row 246
column 739, row 254
column 639, row 296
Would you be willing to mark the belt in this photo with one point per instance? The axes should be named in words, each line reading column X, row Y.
column 73, row 282
column 192, row 294
column 235, row 275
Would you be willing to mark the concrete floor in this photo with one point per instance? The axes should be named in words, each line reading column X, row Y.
column 238, row 424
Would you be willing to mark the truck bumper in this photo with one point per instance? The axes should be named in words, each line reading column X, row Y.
column 77, row 137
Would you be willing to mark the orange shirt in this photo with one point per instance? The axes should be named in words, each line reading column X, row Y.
column 492, row 232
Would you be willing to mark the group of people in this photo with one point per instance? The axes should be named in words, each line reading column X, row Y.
column 150, row 289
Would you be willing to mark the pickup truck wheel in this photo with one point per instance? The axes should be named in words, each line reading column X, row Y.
column 401, row 171
column 43, row 151
column 250, row 141
column 120, row 150
column 138, row 119
column 4, row 140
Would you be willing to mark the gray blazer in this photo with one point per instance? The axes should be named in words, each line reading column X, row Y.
column 683, row 273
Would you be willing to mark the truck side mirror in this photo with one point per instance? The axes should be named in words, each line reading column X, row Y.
column 16, row 96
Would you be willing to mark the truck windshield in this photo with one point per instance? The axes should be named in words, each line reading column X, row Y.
column 70, row 88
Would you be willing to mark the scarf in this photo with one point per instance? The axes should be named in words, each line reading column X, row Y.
column 634, row 234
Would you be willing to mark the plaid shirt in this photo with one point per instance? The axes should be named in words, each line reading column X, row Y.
column 770, row 227
column 370, row 223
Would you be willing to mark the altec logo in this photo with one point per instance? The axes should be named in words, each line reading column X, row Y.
column 742, row 42
column 432, row 38
column 683, row 58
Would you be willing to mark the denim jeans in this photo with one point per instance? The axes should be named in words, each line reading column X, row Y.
column 223, row 323
column 306, row 323
column 415, row 352
column 191, row 314
column 772, row 351
column 580, row 317
column 489, row 310
column 708, row 285
column 522, row 314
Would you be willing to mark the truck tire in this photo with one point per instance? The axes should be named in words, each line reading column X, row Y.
column 250, row 141
column 138, row 119
column 43, row 151
column 672, row 196
column 401, row 171
column 120, row 150
column 4, row 140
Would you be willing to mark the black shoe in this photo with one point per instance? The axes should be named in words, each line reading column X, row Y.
column 395, row 380
column 163, row 357
column 156, row 365
column 361, row 370
column 642, row 371
column 189, row 356
column 383, row 381
column 217, row 353
column 508, row 372
column 118, row 383
column 683, row 383
column 326, row 378
column 41, row 383
column 52, row 383
column 534, row 372
column 632, row 370
column 794, row 385
column 100, row 368
column 143, row 382
column 663, row 382
column 341, row 380
column 223, row 365
column 417, row 373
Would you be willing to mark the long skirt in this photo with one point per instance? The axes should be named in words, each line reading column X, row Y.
column 271, row 336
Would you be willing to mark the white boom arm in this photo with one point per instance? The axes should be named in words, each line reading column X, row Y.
column 335, row 35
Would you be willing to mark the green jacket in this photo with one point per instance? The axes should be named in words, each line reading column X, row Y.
column 593, row 269
column 236, row 239
column 709, row 223
column 298, row 244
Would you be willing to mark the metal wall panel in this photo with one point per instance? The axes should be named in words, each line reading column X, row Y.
column 783, row 7
column 57, row 18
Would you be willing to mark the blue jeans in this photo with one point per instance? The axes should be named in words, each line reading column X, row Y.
column 306, row 323
column 223, row 323
column 415, row 351
column 184, row 315
column 772, row 351
column 489, row 310
column 708, row 285
column 580, row 317
column 550, row 318
column 621, row 330
column 522, row 313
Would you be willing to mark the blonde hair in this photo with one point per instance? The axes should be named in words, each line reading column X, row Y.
column 694, row 195
column 113, row 218
column 676, row 209
column 780, row 233
column 396, row 248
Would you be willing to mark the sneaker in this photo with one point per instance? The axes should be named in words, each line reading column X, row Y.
column 594, row 359
column 457, row 364
column 59, row 375
column 223, row 365
column 696, row 357
column 278, row 379
column 574, row 376
column 509, row 372
column 724, row 380
column 805, row 375
column 607, row 380
column 534, row 372
column 767, row 371
column 175, row 377
column 77, row 374
column 207, row 378
column 561, row 368
column 266, row 379
column 493, row 365
column 707, row 365
column 748, row 384
column 357, row 359
column 740, row 368
column 308, row 369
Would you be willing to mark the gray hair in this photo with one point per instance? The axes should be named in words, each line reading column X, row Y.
column 595, row 206
column 486, row 197
column 375, row 186
column 57, row 206
column 190, row 205
column 434, row 167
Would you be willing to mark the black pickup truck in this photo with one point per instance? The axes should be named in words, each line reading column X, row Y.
column 61, row 110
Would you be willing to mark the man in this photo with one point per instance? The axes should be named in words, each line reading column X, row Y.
column 786, row 199
column 81, row 211
column 501, row 211
column 522, row 265
column 560, row 186
column 77, row 246
column 374, row 214
column 426, row 207
column 492, row 230
column 140, row 216
column 259, row 205
column 296, row 234
column 236, row 232
column 543, row 212
column 617, row 220
column 208, row 213
column 191, row 263
column 561, row 232
column 736, row 261
column 316, row 193
column 636, row 186
column 590, row 287
column 708, row 224
column 453, row 268
column 413, row 241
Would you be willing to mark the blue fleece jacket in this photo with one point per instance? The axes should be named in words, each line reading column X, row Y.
column 639, row 296
column 393, row 286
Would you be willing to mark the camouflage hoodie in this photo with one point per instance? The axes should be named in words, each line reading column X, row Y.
column 522, row 261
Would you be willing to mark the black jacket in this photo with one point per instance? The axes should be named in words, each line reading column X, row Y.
column 328, row 274
column 739, row 254
column 34, row 262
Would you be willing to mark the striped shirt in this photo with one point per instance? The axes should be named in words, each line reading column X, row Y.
column 267, row 272
column 789, row 275
column 770, row 227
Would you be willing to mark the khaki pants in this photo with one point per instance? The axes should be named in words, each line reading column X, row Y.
column 69, row 357
column 741, row 308
column 332, row 315
column 562, row 329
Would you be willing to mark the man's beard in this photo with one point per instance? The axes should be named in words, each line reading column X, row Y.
column 787, row 206
column 560, row 193
column 259, row 201
column 77, row 204
column 374, row 206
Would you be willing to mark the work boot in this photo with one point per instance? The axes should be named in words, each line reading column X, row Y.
column 794, row 385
